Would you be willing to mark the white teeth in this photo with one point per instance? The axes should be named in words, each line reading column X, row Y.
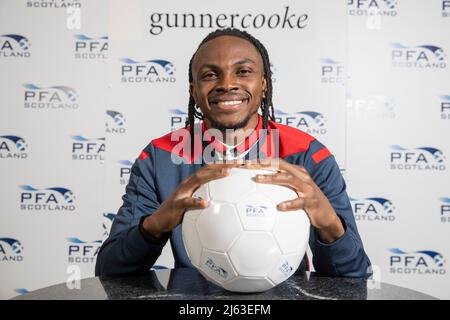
column 230, row 103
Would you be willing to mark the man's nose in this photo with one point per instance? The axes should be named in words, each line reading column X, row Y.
column 228, row 83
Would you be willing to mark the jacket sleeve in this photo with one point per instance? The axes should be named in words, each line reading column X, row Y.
column 126, row 250
column 346, row 256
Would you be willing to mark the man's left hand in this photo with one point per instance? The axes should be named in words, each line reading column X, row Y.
column 309, row 197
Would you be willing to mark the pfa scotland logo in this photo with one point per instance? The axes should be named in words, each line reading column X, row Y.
column 286, row 268
column 88, row 149
column 424, row 158
column 445, row 8
column 418, row 57
column 373, row 209
column 124, row 171
column 445, row 209
column 14, row 46
column 13, row 147
column 81, row 252
column 178, row 118
column 46, row 199
column 372, row 104
column 256, row 211
column 149, row 71
column 54, row 97
column 311, row 122
column 90, row 48
column 115, row 122
column 332, row 71
column 385, row 8
column 10, row 250
column 53, row 4
column 217, row 269
column 424, row 262
column 445, row 106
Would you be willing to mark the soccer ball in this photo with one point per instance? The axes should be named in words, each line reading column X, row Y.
column 241, row 242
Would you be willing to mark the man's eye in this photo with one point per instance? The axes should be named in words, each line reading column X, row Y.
column 209, row 75
column 244, row 72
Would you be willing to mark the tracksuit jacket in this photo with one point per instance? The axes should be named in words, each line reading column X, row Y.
column 155, row 175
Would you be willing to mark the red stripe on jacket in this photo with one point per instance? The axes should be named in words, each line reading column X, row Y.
column 321, row 154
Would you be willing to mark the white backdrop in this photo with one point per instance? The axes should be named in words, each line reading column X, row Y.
column 85, row 85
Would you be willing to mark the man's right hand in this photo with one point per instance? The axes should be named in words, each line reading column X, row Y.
column 171, row 212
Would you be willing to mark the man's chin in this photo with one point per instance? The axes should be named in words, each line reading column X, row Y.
column 229, row 125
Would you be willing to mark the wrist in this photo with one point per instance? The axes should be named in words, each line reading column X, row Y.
column 331, row 231
column 149, row 230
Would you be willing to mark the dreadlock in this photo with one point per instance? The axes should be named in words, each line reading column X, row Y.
column 266, row 104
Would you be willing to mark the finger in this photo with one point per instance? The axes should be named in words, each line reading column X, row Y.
column 238, row 162
column 298, row 171
column 268, row 164
column 203, row 176
column 280, row 178
column 207, row 173
column 290, row 205
column 191, row 203
column 216, row 166
column 259, row 167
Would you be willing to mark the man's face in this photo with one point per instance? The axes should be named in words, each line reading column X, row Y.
column 228, row 82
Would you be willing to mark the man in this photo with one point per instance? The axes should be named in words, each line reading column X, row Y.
column 230, row 81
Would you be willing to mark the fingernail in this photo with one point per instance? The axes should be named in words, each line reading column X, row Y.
column 282, row 206
column 260, row 177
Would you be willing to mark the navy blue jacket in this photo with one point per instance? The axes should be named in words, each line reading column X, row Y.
column 154, row 176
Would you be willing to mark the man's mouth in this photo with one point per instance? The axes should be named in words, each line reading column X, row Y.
column 228, row 104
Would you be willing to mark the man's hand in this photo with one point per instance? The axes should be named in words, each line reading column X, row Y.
column 309, row 197
column 171, row 212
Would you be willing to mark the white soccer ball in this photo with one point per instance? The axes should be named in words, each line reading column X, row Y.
column 241, row 242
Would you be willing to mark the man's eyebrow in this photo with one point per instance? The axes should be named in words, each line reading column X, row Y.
column 209, row 65
column 247, row 60
column 215, row 66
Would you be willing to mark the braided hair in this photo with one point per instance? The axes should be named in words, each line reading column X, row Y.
column 266, row 104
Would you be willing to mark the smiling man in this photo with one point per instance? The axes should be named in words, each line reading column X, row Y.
column 230, row 81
